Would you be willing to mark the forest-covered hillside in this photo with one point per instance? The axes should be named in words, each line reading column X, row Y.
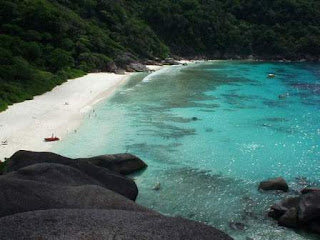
column 45, row 42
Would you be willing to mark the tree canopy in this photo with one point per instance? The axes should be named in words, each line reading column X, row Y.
column 45, row 42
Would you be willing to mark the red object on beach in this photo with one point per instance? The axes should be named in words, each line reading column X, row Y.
column 51, row 139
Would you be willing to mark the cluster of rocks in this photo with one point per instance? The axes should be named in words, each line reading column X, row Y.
column 48, row 196
column 298, row 212
column 130, row 63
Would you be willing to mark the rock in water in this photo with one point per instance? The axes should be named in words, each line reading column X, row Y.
column 301, row 212
column 279, row 209
column 237, row 226
column 309, row 207
column 157, row 187
column 122, row 163
column 91, row 224
column 289, row 219
column 274, row 184
column 308, row 190
column 314, row 227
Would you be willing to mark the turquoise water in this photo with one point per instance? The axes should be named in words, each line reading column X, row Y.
column 210, row 133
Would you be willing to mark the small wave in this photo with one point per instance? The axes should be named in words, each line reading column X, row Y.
column 172, row 70
column 250, row 147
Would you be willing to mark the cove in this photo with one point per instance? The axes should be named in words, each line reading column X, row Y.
column 210, row 132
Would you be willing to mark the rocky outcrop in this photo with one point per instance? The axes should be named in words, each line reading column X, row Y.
column 111, row 180
column 308, row 189
column 302, row 212
column 122, row 60
column 19, row 196
column 93, row 224
column 25, row 158
column 274, row 184
column 280, row 208
column 48, row 196
column 152, row 62
column 122, row 163
column 111, row 67
column 289, row 218
column 136, row 67
column 130, row 63
column 170, row 61
column 309, row 207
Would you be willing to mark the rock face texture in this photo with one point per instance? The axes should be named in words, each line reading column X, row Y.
column 124, row 163
column 121, row 163
column 302, row 212
column 274, row 184
column 48, row 196
column 103, row 224
column 111, row 180
column 54, row 186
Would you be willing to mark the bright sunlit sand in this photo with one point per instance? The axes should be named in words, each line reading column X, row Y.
column 59, row 112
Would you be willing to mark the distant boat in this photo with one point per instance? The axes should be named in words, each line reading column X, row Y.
column 271, row 75
column 51, row 139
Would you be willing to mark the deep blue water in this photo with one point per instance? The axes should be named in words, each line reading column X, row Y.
column 210, row 133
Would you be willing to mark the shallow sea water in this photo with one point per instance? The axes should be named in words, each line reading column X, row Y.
column 210, row 132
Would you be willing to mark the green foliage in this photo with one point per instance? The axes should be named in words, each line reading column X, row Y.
column 93, row 61
column 59, row 59
column 45, row 42
column 3, row 166
column 221, row 28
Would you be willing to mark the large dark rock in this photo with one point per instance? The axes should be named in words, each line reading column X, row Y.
column 280, row 208
column 24, row 158
column 136, row 67
column 108, row 178
column 48, row 196
column 170, row 61
column 152, row 62
column 274, row 184
column 122, row 60
column 302, row 212
column 289, row 219
column 314, row 226
column 309, row 207
column 77, row 224
column 18, row 194
column 111, row 67
column 53, row 173
column 122, row 163
column 308, row 190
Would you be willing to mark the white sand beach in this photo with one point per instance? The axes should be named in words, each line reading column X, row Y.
column 59, row 112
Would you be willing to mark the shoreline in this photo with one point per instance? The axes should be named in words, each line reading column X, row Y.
column 59, row 112
column 23, row 126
